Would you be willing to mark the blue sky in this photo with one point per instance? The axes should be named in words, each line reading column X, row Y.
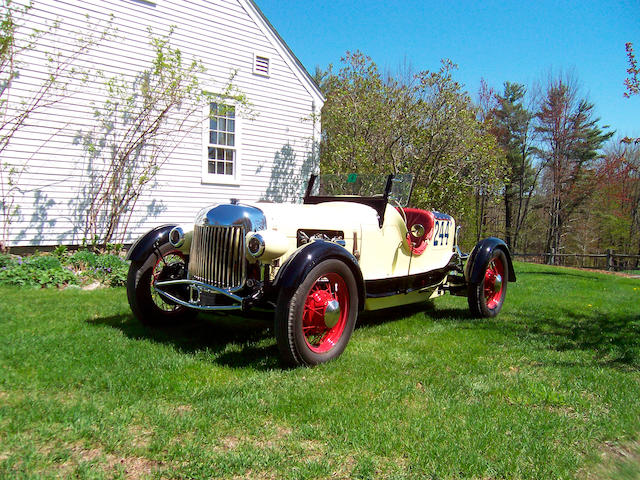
column 495, row 40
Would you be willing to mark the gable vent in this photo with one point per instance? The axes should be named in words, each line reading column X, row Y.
column 261, row 65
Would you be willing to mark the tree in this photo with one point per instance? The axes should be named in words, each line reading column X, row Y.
column 632, row 82
column 570, row 140
column 359, row 118
column 424, row 124
column 512, row 127
column 138, row 127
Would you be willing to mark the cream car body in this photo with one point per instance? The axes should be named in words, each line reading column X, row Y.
column 315, row 264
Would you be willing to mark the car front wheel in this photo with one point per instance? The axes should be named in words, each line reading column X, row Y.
column 315, row 323
column 487, row 296
column 147, row 304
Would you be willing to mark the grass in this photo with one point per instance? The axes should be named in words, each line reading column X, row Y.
column 549, row 389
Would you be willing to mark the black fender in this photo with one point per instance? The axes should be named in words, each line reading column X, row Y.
column 293, row 272
column 145, row 245
column 482, row 252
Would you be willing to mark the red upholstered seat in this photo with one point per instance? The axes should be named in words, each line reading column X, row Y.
column 424, row 218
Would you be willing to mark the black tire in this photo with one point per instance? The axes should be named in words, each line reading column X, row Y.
column 147, row 305
column 487, row 296
column 306, row 311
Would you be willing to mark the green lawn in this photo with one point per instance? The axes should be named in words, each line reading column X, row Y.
column 550, row 389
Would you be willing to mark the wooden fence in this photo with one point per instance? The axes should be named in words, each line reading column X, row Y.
column 603, row 261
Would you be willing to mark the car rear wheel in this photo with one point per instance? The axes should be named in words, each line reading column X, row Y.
column 149, row 306
column 314, row 325
column 487, row 296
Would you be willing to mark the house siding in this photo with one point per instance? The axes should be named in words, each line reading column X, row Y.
column 224, row 35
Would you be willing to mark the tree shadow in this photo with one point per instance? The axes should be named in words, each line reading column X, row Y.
column 289, row 176
column 230, row 340
column 40, row 220
column 613, row 338
column 565, row 272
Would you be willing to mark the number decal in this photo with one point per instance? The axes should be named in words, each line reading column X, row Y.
column 441, row 233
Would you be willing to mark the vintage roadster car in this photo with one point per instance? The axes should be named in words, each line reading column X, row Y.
column 316, row 264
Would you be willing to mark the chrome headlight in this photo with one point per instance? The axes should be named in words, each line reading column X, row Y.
column 255, row 245
column 176, row 237
column 266, row 245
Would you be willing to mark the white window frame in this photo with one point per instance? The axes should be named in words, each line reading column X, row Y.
column 217, row 178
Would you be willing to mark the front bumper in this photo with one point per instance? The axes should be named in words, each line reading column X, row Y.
column 202, row 296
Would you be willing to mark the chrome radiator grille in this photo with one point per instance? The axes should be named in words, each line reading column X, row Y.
column 217, row 256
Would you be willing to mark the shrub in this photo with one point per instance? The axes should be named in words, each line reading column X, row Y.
column 60, row 269
column 43, row 262
column 7, row 260
column 109, row 269
column 37, row 271
column 84, row 259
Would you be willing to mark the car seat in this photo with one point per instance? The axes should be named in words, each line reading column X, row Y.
column 424, row 218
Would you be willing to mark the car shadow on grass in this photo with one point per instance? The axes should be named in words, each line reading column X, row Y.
column 232, row 341
column 431, row 312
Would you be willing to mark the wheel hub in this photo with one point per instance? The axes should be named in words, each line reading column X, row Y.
column 327, row 306
column 497, row 283
column 332, row 313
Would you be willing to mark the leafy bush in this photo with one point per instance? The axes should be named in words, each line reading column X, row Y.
column 8, row 260
column 84, row 259
column 60, row 268
column 43, row 262
column 37, row 271
column 109, row 269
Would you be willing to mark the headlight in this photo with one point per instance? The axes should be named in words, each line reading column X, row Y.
column 266, row 245
column 176, row 237
column 255, row 245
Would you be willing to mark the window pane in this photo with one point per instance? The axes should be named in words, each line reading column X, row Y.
column 222, row 128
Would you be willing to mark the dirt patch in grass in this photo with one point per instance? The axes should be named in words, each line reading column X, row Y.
column 140, row 436
column 182, row 409
column 133, row 467
column 619, row 461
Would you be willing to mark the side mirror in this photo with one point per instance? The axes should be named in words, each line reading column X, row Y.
column 417, row 230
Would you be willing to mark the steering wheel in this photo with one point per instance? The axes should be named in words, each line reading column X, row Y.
column 394, row 203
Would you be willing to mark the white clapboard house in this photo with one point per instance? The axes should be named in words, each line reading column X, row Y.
column 263, row 155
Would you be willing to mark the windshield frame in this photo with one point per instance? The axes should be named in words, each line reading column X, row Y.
column 377, row 202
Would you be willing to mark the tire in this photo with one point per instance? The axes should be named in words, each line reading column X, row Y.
column 147, row 305
column 305, row 334
column 486, row 297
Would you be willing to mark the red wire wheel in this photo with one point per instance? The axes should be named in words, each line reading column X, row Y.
column 487, row 296
column 493, row 283
column 325, row 313
column 314, row 323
